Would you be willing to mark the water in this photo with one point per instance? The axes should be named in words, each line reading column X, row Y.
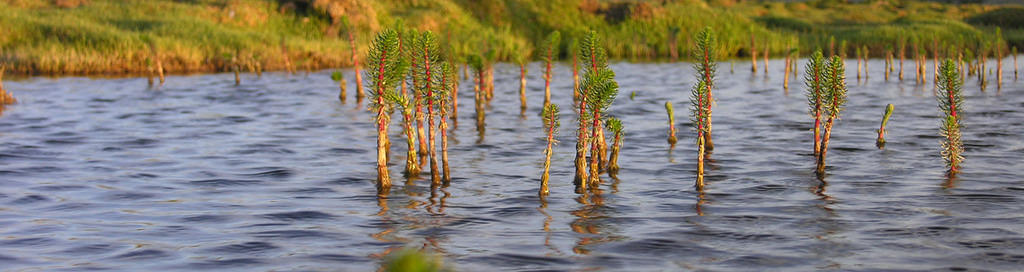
column 278, row 175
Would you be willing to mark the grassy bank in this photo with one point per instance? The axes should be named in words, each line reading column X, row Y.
column 113, row 36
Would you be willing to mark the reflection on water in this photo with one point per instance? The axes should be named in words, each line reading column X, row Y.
column 277, row 174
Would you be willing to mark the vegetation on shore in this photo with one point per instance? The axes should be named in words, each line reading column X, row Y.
column 112, row 37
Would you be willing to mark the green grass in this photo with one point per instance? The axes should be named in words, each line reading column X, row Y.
column 109, row 36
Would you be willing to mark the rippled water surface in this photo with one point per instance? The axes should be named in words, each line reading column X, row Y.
column 276, row 174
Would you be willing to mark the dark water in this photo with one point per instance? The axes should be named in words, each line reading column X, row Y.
column 278, row 175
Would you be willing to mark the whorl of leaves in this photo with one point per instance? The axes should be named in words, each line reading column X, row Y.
column 950, row 98
column 475, row 62
column 704, row 52
column 699, row 109
column 448, row 79
column 592, row 53
column 835, row 89
column 597, row 85
column 601, row 89
column 814, row 78
column 614, row 125
column 385, row 68
column 426, row 52
column 550, row 115
column 549, row 47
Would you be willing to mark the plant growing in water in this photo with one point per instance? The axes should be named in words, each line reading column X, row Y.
column 476, row 62
column 355, row 57
column 615, row 126
column 405, row 104
column 700, row 98
column 444, row 98
column 814, row 78
column 427, row 57
column 950, row 102
column 671, row 124
column 706, row 68
column 880, row 142
column 835, row 97
column 521, row 55
column 387, row 69
column 551, row 124
column 342, row 84
column 549, row 51
column 601, row 89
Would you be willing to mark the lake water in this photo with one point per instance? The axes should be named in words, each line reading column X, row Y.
column 276, row 174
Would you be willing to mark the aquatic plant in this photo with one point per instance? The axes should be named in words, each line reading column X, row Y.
column 549, row 52
column 814, row 79
column 706, row 67
column 880, row 142
column 951, row 102
column 444, row 97
column 615, row 126
column 998, row 54
column 1014, row 52
column 411, row 260
column 350, row 32
column 5, row 97
column 753, row 53
column 476, row 62
column 867, row 56
column 427, row 55
column 155, row 55
column 520, row 57
column 860, row 60
column 342, row 84
column 600, row 90
column 671, row 124
column 576, row 72
column 902, row 53
column 406, row 105
column 835, row 97
column 387, row 69
column 701, row 99
column 789, row 60
column 551, row 124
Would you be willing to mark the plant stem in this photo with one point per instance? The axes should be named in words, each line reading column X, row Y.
column 880, row 142
column 547, row 158
column 522, row 89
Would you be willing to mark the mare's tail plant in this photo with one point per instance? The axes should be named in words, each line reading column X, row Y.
column 700, row 98
column 951, row 102
column 350, row 32
column 671, row 124
column 386, row 69
column 426, row 52
column 549, row 52
column 706, row 68
column 880, row 142
column 615, row 126
column 601, row 89
column 156, row 58
column 814, row 78
column 405, row 104
column 342, row 84
column 551, row 124
column 477, row 63
column 521, row 55
column 444, row 98
column 835, row 97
